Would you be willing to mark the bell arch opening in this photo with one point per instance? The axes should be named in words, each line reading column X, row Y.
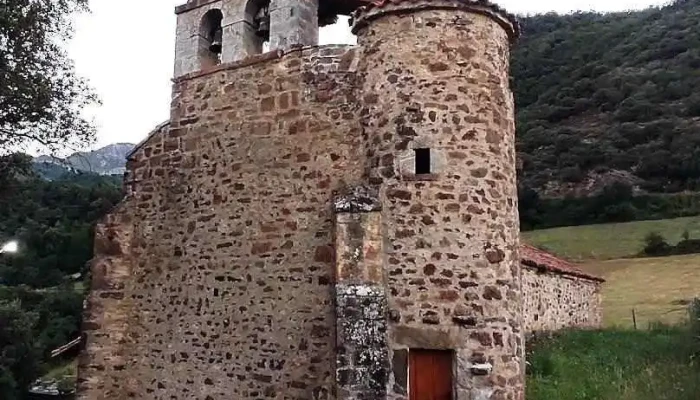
column 257, row 33
column 211, row 38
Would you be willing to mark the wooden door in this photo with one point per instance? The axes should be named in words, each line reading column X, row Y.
column 430, row 375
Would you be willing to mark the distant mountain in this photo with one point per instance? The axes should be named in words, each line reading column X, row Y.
column 109, row 160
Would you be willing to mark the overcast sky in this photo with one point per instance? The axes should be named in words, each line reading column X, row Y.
column 126, row 47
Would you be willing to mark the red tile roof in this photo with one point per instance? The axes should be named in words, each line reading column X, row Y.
column 540, row 259
column 514, row 30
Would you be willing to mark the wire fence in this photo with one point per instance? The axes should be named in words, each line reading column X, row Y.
column 680, row 312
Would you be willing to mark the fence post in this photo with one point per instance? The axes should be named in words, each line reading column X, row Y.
column 634, row 319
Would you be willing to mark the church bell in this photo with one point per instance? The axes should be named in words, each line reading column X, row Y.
column 216, row 43
column 263, row 22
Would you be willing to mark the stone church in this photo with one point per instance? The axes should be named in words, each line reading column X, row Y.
column 326, row 222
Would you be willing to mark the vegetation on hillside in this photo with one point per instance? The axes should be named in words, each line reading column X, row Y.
column 655, row 245
column 40, row 302
column 53, row 222
column 610, row 94
column 614, row 203
column 659, row 364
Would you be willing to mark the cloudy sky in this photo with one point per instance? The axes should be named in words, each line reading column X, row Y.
column 125, row 48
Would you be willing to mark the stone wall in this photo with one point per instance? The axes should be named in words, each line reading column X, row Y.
column 214, row 279
column 554, row 301
column 435, row 76
column 278, row 240
column 241, row 266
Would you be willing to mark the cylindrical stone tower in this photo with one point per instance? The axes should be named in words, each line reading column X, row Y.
column 438, row 116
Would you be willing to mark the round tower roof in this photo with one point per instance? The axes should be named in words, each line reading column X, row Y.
column 374, row 8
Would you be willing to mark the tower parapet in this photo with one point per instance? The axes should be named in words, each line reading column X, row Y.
column 373, row 10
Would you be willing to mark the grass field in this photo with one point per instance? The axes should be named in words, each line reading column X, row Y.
column 658, row 289
column 618, row 363
column 615, row 365
column 609, row 241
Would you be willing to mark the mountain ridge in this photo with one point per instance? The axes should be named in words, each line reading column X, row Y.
column 107, row 160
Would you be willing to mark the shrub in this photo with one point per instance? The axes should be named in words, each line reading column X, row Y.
column 688, row 246
column 656, row 245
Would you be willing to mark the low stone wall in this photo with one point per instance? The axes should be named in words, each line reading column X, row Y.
column 554, row 301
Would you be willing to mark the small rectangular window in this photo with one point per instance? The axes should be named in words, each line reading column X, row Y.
column 422, row 161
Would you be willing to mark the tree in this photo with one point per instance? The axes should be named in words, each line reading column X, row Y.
column 19, row 359
column 614, row 92
column 41, row 97
column 40, row 298
column 655, row 245
column 13, row 166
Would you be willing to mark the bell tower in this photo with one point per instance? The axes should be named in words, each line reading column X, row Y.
column 220, row 31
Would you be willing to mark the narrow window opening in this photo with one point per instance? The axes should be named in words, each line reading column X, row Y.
column 423, row 161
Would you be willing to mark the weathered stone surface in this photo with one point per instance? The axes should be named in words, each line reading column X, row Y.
column 362, row 351
column 554, row 301
column 293, row 23
column 107, row 319
column 224, row 291
column 280, row 241
column 358, row 199
column 453, row 81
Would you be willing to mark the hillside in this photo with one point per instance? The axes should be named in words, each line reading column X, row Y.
column 40, row 300
column 605, row 98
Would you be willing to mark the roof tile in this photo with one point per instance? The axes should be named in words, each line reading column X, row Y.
column 536, row 258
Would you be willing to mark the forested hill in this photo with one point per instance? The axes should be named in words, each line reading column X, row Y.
column 610, row 97
column 42, row 285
